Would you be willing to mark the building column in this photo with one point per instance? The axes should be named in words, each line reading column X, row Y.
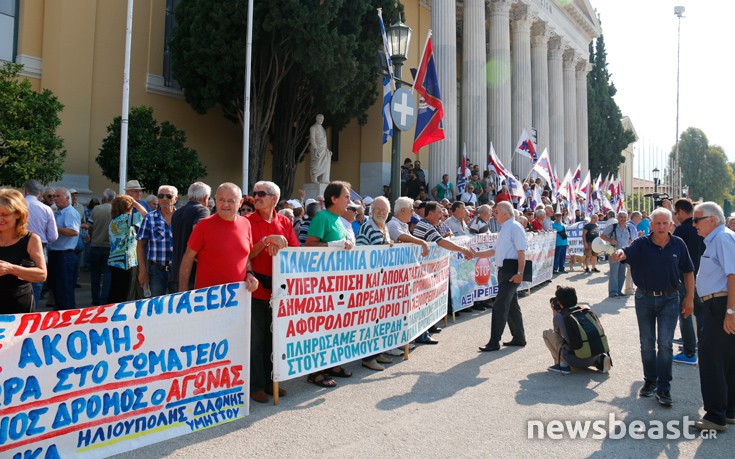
column 556, row 107
column 540, row 85
column 498, row 79
column 571, row 158
column 583, row 69
column 521, row 107
column 443, row 155
column 474, row 91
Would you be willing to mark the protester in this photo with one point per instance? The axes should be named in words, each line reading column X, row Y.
column 62, row 267
column 618, row 235
column 183, row 222
column 21, row 255
column 420, row 173
column 247, row 207
column 347, row 218
column 503, row 195
column 443, row 190
column 480, row 224
column 658, row 262
column 716, row 284
column 312, row 208
column 135, row 190
column 99, row 251
column 560, row 251
column 538, row 222
column 469, row 197
column 123, row 259
column 558, row 338
column 731, row 223
column 510, row 258
column 41, row 221
column 155, row 244
column 49, row 198
column 590, row 232
column 271, row 232
column 152, row 202
column 456, row 223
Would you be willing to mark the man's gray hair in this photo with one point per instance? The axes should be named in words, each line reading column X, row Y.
column 506, row 207
column 149, row 199
column 48, row 189
column 176, row 192
column 662, row 211
column 384, row 200
column 539, row 212
column 484, row 210
column 65, row 192
column 403, row 203
column 635, row 214
column 622, row 213
column 33, row 187
column 231, row 186
column 109, row 194
column 198, row 191
column 271, row 187
column 711, row 209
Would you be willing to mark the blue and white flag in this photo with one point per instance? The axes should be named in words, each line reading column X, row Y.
column 387, row 118
column 386, row 48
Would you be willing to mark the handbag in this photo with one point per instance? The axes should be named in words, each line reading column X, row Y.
column 510, row 265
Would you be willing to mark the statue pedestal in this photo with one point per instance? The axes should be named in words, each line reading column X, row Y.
column 312, row 190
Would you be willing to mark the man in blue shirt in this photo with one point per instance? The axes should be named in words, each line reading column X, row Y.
column 617, row 234
column 658, row 262
column 62, row 260
column 716, row 284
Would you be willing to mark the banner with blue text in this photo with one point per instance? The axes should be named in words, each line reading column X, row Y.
column 104, row 380
column 332, row 306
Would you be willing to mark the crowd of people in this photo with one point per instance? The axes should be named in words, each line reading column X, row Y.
column 136, row 247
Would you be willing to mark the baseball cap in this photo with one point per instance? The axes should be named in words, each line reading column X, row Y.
column 294, row 203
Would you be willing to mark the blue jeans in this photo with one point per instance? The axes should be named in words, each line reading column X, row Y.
column 560, row 256
column 653, row 312
column 616, row 279
column 62, row 273
column 99, row 274
column 158, row 280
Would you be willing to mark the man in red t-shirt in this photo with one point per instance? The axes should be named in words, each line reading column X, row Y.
column 221, row 245
column 271, row 232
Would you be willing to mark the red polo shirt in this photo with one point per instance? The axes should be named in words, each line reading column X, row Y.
column 222, row 250
column 263, row 263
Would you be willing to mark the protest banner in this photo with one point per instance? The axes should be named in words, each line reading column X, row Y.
column 332, row 306
column 477, row 279
column 574, row 236
column 108, row 379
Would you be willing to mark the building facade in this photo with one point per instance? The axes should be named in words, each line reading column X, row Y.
column 504, row 66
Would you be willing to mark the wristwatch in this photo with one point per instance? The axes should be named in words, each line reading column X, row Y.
column 520, row 274
column 730, row 311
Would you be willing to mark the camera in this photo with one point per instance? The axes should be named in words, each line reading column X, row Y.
column 555, row 305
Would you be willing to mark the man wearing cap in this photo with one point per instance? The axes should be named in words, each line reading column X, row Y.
column 182, row 224
column 658, row 262
column 41, row 222
column 135, row 191
column 716, row 285
column 349, row 216
column 155, row 244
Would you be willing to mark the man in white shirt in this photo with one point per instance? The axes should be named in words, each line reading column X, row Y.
column 456, row 223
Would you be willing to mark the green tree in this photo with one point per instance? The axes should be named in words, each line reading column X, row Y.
column 704, row 167
column 607, row 137
column 29, row 146
column 308, row 58
column 157, row 153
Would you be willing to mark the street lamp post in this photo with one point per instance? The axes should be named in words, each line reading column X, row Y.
column 655, row 182
column 399, row 37
column 679, row 12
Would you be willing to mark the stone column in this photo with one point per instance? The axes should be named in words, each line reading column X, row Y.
column 583, row 69
column 540, row 85
column 521, row 110
column 443, row 155
column 571, row 159
column 556, row 107
column 498, row 80
column 474, row 91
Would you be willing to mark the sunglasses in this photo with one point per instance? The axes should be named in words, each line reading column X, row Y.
column 165, row 195
column 697, row 219
column 261, row 194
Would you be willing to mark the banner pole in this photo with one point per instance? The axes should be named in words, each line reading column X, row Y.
column 275, row 393
column 405, row 352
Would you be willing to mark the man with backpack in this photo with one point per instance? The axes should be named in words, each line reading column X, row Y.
column 618, row 235
column 577, row 339
column 658, row 263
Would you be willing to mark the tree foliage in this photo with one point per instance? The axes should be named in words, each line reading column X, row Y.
column 704, row 167
column 29, row 146
column 157, row 153
column 607, row 136
column 308, row 58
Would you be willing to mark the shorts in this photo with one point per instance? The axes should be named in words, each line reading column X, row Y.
column 588, row 252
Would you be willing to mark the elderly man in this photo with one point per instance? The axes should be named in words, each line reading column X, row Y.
column 427, row 230
column 456, row 223
column 480, row 224
column 510, row 257
column 135, row 191
column 271, row 232
column 41, row 222
column 658, row 263
column 618, row 235
column 49, row 198
column 716, row 284
column 155, row 244
column 61, row 257
column 347, row 218
column 182, row 224
column 548, row 222
column 99, row 251
column 398, row 225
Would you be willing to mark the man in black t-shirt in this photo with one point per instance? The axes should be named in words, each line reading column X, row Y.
column 589, row 233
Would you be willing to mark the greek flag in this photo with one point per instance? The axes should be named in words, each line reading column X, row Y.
column 387, row 118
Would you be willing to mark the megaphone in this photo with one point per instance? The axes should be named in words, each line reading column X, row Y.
column 600, row 246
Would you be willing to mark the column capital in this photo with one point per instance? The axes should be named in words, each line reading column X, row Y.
column 571, row 57
column 521, row 18
column 495, row 7
column 556, row 47
column 540, row 33
column 583, row 68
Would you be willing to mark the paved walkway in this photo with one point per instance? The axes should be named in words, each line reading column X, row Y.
column 451, row 401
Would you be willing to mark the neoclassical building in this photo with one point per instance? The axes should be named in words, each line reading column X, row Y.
column 504, row 66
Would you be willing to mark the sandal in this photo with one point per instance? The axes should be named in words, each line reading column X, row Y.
column 321, row 380
column 341, row 373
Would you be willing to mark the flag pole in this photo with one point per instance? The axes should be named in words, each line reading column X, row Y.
column 124, row 122
column 426, row 43
column 246, row 107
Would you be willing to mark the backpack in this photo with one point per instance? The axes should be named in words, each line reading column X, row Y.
column 586, row 335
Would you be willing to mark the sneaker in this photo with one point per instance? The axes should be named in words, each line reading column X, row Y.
column 605, row 363
column 383, row 359
column 559, row 369
column 397, row 352
column 373, row 365
column 648, row 389
column 685, row 359
column 664, row 398
column 595, row 270
column 586, row 270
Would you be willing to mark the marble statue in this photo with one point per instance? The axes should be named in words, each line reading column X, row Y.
column 321, row 157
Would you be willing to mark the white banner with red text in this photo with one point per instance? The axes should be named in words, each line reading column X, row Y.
column 332, row 306
column 108, row 379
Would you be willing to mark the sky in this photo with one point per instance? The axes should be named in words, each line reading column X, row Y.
column 641, row 41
